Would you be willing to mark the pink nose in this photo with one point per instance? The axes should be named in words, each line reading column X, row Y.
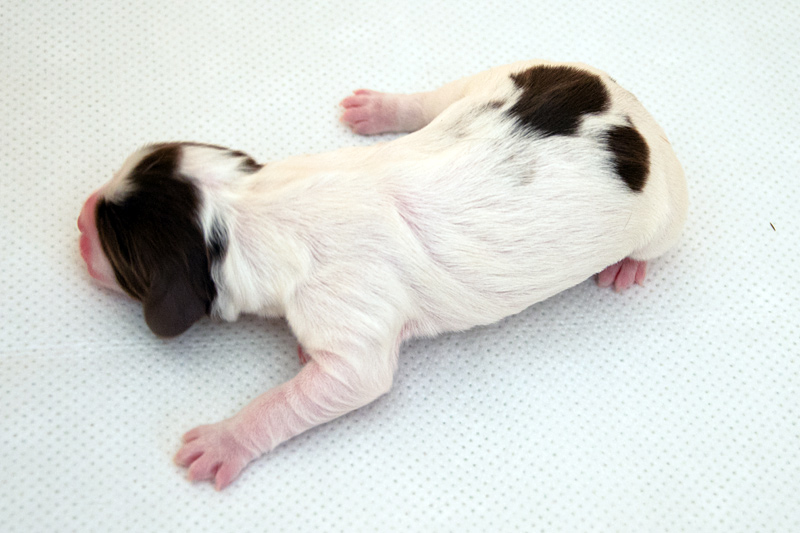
column 87, row 211
column 86, row 226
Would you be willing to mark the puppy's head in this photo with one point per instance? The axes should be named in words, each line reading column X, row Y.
column 142, row 233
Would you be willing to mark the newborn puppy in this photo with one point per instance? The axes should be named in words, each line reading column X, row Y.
column 516, row 184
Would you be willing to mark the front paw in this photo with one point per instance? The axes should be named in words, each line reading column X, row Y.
column 214, row 452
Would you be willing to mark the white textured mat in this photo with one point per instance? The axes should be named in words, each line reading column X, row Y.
column 672, row 407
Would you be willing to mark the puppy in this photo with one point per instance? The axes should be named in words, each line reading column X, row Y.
column 516, row 184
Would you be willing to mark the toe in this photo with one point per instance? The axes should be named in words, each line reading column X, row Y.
column 353, row 101
column 187, row 455
column 205, row 467
column 354, row 115
column 623, row 274
column 194, row 434
column 641, row 273
column 626, row 275
column 226, row 474
column 608, row 275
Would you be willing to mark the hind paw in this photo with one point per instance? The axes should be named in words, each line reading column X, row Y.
column 370, row 112
column 623, row 274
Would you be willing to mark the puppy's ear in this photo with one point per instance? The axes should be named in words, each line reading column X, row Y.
column 172, row 305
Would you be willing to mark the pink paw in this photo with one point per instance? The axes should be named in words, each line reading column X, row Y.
column 370, row 112
column 213, row 452
column 623, row 274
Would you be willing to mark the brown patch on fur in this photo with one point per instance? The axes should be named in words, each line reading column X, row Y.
column 555, row 98
column 631, row 155
column 154, row 242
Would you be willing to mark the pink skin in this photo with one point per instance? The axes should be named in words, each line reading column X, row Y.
column 370, row 112
column 91, row 251
column 623, row 274
column 219, row 452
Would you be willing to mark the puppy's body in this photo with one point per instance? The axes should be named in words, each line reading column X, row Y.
column 519, row 183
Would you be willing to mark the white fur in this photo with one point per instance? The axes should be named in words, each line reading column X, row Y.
column 119, row 185
column 442, row 230
column 456, row 225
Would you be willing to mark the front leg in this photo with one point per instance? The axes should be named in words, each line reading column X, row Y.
column 326, row 388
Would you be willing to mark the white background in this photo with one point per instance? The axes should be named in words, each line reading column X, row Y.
column 672, row 407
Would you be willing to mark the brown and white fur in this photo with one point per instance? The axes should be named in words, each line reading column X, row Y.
column 516, row 184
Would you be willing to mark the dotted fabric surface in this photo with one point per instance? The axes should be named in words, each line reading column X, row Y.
column 670, row 407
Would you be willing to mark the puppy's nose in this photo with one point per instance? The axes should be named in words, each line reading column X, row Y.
column 86, row 211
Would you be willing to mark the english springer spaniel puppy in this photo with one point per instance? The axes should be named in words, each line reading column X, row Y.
column 512, row 186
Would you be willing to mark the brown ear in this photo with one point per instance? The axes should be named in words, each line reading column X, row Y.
column 172, row 305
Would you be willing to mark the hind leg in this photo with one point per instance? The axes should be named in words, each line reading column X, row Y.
column 623, row 274
column 371, row 112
